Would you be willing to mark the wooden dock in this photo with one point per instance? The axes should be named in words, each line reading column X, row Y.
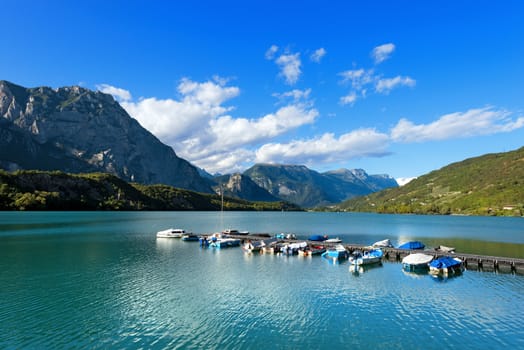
column 471, row 261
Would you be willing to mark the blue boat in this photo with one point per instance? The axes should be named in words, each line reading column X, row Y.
column 446, row 265
column 317, row 238
column 412, row 245
column 335, row 254
column 372, row 256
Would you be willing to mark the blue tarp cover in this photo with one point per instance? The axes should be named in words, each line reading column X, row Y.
column 443, row 262
column 412, row 245
column 317, row 238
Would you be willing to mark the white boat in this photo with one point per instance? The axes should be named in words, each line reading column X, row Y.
column 252, row 246
column 368, row 257
column 386, row 243
column 234, row 232
column 333, row 240
column 171, row 233
column 444, row 249
column 312, row 250
column 293, row 248
column 416, row 262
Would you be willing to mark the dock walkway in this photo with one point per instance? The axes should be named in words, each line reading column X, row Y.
column 471, row 261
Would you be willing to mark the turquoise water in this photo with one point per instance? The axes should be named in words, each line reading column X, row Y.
column 102, row 280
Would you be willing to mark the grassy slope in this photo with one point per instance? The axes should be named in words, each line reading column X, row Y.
column 492, row 184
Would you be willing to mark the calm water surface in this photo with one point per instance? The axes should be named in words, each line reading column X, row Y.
column 102, row 280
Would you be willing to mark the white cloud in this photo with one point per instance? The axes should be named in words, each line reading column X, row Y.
column 404, row 180
column 289, row 67
column 317, row 55
column 358, row 77
column 118, row 94
column 386, row 85
column 326, row 148
column 199, row 129
column 382, row 52
column 295, row 95
column 474, row 122
column 349, row 99
column 270, row 53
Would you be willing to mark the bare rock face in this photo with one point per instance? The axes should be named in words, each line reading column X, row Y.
column 74, row 129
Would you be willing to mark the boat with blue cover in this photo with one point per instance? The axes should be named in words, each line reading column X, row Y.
column 446, row 265
column 317, row 238
column 368, row 257
column 412, row 245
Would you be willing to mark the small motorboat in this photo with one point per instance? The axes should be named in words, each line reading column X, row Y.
column 234, row 232
column 317, row 238
column 335, row 254
column 368, row 257
column 293, row 248
column 445, row 266
column 386, row 243
column 171, row 233
column 312, row 250
column 413, row 245
column 333, row 240
column 444, row 249
column 189, row 237
column 416, row 262
column 252, row 246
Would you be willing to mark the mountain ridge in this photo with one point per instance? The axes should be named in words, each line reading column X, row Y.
column 491, row 184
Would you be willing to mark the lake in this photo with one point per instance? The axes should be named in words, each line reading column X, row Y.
column 102, row 280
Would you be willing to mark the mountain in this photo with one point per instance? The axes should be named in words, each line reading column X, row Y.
column 241, row 186
column 491, row 184
column 77, row 130
column 308, row 188
column 41, row 190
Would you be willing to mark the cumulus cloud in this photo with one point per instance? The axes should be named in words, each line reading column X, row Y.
column 317, row 55
column 289, row 67
column 199, row 127
column 382, row 52
column 326, row 148
column 363, row 80
column 386, row 85
column 474, row 122
column 270, row 53
column 118, row 94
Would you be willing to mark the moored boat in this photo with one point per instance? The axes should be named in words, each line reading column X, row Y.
column 171, row 233
column 234, row 232
column 317, row 238
column 333, row 240
column 252, row 246
column 412, row 245
column 293, row 248
column 386, row 243
column 190, row 237
column 312, row 250
column 368, row 257
column 416, row 262
column 335, row 254
column 446, row 265
column 444, row 249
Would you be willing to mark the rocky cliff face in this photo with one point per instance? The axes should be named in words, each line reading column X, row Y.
column 77, row 130
column 241, row 186
column 308, row 188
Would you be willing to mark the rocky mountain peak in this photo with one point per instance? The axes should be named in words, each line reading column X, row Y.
column 91, row 128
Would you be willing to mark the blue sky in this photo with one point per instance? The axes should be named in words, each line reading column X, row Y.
column 396, row 87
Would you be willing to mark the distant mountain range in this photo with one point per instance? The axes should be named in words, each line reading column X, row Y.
column 76, row 130
column 492, row 184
